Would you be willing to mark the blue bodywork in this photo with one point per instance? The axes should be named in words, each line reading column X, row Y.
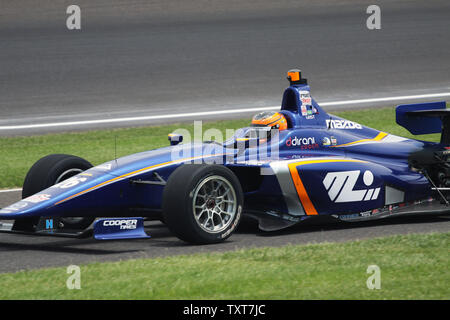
column 420, row 125
column 324, row 165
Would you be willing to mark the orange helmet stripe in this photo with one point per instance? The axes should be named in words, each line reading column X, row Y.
column 271, row 121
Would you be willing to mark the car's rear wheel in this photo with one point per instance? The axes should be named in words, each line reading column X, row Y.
column 48, row 171
column 202, row 203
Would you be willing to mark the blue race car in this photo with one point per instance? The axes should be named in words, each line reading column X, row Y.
column 288, row 166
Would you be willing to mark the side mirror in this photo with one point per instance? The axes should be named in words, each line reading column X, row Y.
column 175, row 138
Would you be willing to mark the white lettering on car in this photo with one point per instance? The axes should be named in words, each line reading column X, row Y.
column 342, row 124
column 340, row 186
column 124, row 224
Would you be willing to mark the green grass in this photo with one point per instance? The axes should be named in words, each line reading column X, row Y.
column 412, row 267
column 19, row 153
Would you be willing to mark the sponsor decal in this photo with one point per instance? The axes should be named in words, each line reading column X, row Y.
column 307, row 110
column 303, row 143
column 233, row 226
column 49, row 224
column 392, row 208
column 342, row 124
column 14, row 207
column 340, row 186
column 310, row 114
column 416, row 202
column 124, row 224
column 372, row 213
column 298, row 156
column 326, row 141
column 304, row 111
column 389, row 209
column 349, row 216
column 105, row 166
column 365, row 214
column 305, row 97
column 333, row 141
column 71, row 182
column 38, row 198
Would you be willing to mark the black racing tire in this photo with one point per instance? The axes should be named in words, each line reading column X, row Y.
column 46, row 172
column 187, row 187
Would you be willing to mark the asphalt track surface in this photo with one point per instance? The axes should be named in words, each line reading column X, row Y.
column 147, row 58
column 142, row 58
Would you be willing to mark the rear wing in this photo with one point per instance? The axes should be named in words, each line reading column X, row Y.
column 425, row 118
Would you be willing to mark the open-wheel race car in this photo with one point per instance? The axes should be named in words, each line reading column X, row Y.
column 288, row 166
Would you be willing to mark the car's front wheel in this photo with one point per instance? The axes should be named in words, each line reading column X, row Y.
column 202, row 203
column 48, row 171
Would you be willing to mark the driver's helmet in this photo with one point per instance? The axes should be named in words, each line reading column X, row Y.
column 272, row 119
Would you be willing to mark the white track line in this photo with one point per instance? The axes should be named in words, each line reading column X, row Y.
column 209, row 113
column 10, row 190
column 419, row 96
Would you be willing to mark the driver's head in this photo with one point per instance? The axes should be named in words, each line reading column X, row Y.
column 272, row 119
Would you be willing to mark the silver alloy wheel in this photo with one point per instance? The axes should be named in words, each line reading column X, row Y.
column 64, row 176
column 214, row 204
column 68, row 174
